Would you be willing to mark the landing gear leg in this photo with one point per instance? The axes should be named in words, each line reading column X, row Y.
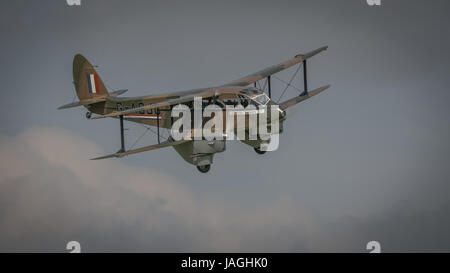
column 204, row 168
column 259, row 151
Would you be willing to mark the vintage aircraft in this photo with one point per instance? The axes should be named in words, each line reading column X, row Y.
column 155, row 110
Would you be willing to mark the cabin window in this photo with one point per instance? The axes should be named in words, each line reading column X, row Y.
column 261, row 99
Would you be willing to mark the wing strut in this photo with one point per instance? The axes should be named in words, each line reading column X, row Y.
column 269, row 87
column 305, row 80
column 157, row 123
column 122, row 136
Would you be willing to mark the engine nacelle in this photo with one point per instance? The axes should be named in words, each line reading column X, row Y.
column 200, row 152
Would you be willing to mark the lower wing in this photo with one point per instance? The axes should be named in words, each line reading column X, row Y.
column 286, row 104
column 164, row 144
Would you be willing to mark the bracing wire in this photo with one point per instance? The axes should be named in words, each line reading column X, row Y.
column 289, row 83
column 148, row 129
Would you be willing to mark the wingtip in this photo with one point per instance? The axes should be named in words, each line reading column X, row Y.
column 98, row 117
column 115, row 155
column 62, row 107
column 312, row 53
column 104, row 157
column 97, row 158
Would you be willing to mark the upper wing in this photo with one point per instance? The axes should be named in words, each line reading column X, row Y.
column 183, row 99
column 249, row 79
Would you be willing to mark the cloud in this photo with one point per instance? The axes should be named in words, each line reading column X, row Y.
column 51, row 194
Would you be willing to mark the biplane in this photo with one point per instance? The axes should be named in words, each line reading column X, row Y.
column 155, row 110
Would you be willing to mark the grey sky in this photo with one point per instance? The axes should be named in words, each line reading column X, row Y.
column 365, row 160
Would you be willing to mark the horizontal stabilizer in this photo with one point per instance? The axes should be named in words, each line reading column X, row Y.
column 93, row 100
column 83, row 102
column 118, row 92
column 167, row 143
column 70, row 105
column 286, row 104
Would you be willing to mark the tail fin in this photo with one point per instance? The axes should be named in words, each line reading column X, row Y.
column 88, row 83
